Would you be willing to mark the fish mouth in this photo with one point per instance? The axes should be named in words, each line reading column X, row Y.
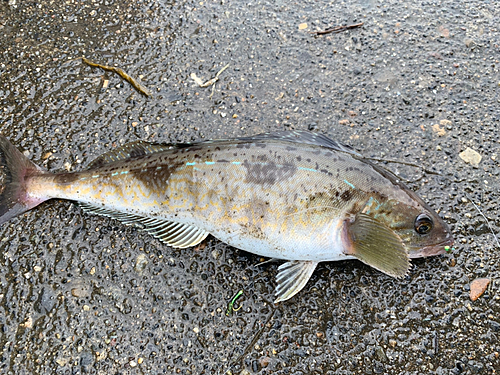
column 436, row 249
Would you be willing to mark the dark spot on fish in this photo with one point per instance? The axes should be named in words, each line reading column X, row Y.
column 243, row 145
column 317, row 152
column 290, row 148
column 346, row 195
column 66, row 178
column 153, row 178
column 222, row 161
column 299, row 158
column 328, row 154
column 268, row 173
column 308, row 160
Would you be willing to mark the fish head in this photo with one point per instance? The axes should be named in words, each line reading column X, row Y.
column 425, row 233
column 387, row 232
column 422, row 232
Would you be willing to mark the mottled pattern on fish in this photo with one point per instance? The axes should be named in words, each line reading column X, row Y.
column 251, row 191
column 272, row 195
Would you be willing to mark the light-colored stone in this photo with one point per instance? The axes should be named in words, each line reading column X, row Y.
column 470, row 156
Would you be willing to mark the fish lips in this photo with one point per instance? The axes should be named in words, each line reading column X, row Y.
column 432, row 250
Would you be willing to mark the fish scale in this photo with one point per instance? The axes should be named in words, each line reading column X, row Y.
column 296, row 196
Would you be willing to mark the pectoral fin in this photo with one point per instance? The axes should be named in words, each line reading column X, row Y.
column 292, row 277
column 375, row 244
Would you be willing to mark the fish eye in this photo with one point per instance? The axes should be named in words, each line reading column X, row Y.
column 423, row 224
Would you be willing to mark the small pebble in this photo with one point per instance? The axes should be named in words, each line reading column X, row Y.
column 477, row 288
column 438, row 130
column 140, row 263
column 80, row 292
column 470, row 156
column 468, row 42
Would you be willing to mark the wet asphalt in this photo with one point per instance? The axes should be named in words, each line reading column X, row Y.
column 417, row 82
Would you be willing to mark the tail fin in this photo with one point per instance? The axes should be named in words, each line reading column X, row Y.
column 14, row 169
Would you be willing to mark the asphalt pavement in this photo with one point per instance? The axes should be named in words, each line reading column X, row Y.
column 417, row 82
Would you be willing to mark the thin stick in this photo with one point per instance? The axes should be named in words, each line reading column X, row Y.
column 136, row 85
column 404, row 163
column 487, row 222
column 337, row 29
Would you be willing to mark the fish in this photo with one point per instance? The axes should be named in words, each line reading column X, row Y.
column 295, row 196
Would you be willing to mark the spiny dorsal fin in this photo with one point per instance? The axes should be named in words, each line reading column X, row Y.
column 295, row 136
column 127, row 151
column 174, row 234
column 377, row 245
column 303, row 136
column 292, row 277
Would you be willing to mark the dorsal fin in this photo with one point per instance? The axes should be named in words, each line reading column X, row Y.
column 128, row 151
column 174, row 234
column 304, row 136
column 295, row 136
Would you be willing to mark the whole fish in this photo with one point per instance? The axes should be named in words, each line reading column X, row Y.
column 297, row 196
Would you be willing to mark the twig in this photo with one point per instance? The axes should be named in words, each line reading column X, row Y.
column 252, row 343
column 136, row 85
column 337, row 29
column 210, row 81
column 487, row 221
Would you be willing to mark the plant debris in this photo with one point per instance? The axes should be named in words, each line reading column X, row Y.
column 210, row 82
column 230, row 305
column 337, row 29
column 136, row 85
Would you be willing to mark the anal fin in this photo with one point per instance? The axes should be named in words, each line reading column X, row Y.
column 177, row 235
column 292, row 277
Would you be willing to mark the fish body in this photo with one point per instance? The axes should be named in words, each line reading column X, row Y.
column 296, row 196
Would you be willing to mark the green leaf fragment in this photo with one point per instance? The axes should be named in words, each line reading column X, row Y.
column 230, row 305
